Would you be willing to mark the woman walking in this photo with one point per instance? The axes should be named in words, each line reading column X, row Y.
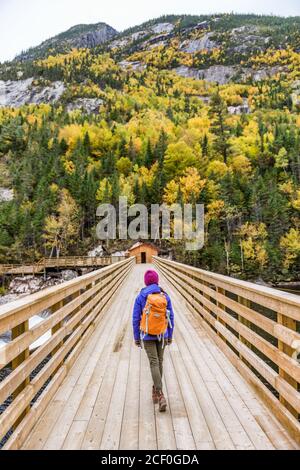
column 153, row 326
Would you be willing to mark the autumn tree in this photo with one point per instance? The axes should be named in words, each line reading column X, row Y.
column 61, row 230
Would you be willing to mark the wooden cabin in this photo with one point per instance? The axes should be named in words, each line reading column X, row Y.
column 143, row 252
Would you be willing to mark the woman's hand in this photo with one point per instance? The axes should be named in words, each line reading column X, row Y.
column 169, row 341
column 138, row 343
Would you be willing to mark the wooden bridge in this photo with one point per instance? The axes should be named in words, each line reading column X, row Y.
column 58, row 263
column 231, row 375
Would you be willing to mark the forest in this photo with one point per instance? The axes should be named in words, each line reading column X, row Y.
column 158, row 138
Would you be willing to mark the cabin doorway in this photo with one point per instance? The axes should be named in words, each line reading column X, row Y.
column 143, row 257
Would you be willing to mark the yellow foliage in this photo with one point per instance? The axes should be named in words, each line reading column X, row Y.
column 171, row 193
column 100, row 136
column 241, row 164
column 287, row 188
column 191, row 185
column 214, row 210
column 147, row 176
column 69, row 167
column 104, row 192
column 290, row 243
column 54, row 188
column 126, row 189
column 255, row 231
column 296, row 201
column 217, row 169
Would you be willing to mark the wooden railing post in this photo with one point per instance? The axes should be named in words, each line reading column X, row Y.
column 57, row 327
column 291, row 324
column 221, row 291
column 16, row 362
column 246, row 302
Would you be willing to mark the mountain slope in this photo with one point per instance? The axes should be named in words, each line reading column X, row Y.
column 77, row 36
column 177, row 110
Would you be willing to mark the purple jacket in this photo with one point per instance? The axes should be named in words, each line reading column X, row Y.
column 138, row 308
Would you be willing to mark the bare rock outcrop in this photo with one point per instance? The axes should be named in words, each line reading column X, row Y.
column 20, row 92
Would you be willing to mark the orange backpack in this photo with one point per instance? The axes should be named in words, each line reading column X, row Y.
column 155, row 316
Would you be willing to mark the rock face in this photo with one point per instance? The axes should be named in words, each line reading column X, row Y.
column 126, row 64
column 18, row 93
column 77, row 36
column 89, row 105
column 187, row 72
column 248, row 38
column 162, row 28
column 95, row 38
column 198, row 45
column 223, row 74
column 217, row 73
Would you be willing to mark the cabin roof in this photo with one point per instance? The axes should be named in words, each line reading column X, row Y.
column 138, row 244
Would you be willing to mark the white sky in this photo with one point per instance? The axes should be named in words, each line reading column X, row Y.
column 26, row 23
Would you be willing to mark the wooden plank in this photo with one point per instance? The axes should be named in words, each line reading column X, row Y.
column 215, row 424
column 93, row 435
column 182, row 429
column 202, row 436
column 43, row 428
column 213, row 389
column 96, row 424
column 164, row 425
column 75, row 435
column 277, row 409
column 55, row 440
column 130, row 425
column 147, row 428
column 112, row 430
column 271, row 427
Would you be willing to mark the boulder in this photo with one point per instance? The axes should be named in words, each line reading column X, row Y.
column 6, row 195
column 68, row 275
column 97, row 251
column 89, row 105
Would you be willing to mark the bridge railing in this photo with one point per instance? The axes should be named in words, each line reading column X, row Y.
column 75, row 309
column 255, row 326
column 66, row 261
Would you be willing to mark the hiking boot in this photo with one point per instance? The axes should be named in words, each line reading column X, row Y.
column 154, row 395
column 162, row 402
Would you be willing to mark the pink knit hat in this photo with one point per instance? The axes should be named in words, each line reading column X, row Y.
column 151, row 277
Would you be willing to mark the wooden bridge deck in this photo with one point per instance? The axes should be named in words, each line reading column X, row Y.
column 105, row 400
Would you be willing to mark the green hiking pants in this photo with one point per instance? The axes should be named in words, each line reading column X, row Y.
column 155, row 353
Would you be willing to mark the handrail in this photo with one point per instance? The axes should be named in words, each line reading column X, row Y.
column 65, row 261
column 75, row 308
column 257, row 327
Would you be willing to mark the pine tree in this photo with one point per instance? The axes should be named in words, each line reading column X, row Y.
column 218, row 113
